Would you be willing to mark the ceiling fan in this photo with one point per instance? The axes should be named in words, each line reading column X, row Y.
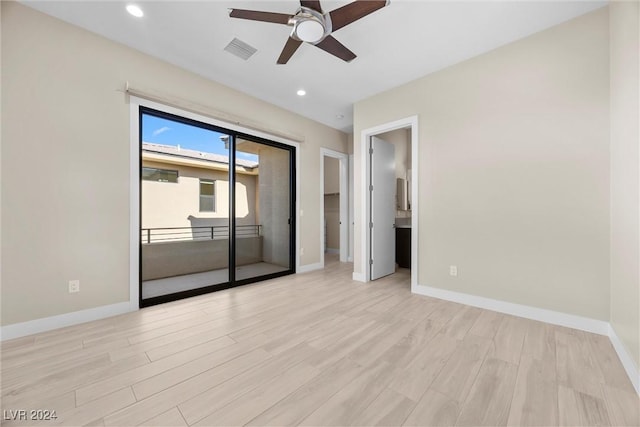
column 312, row 26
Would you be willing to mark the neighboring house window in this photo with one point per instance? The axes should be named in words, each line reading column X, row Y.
column 207, row 195
column 159, row 175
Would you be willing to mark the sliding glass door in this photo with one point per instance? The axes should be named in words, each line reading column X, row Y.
column 263, row 248
column 216, row 208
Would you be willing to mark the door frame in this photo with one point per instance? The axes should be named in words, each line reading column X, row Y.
column 411, row 123
column 343, row 160
column 135, row 103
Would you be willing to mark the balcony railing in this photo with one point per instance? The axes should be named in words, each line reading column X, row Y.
column 217, row 232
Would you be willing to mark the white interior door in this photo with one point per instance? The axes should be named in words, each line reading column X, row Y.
column 383, row 208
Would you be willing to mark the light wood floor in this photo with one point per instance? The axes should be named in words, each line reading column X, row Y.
column 317, row 349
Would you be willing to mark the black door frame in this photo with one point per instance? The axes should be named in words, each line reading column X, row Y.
column 233, row 136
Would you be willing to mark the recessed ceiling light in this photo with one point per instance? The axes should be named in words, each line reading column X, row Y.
column 135, row 10
column 301, row 92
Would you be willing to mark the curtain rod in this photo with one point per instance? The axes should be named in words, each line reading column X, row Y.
column 208, row 111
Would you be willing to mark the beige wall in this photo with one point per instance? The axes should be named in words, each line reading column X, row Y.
column 65, row 160
column 513, row 169
column 167, row 204
column 401, row 139
column 331, row 175
column 624, row 23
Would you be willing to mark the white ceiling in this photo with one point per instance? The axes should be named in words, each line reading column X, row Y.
column 397, row 44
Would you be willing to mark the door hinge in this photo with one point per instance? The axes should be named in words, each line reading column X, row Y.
column 370, row 150
column 370, row 262
column 371, row 225
column 371, row 187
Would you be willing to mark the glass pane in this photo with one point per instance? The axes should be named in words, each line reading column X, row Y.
column 160, row 175
column 263, row 206
column 206, row 188
column 185, row 243
column 206, row 204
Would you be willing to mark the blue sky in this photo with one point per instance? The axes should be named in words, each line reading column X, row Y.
column 162, row 131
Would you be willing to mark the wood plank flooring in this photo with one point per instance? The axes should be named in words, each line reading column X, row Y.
column 317, row 349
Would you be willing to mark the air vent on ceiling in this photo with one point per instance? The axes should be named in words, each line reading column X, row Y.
column 240, row 49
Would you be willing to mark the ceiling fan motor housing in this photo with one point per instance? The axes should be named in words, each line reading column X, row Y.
column 310, row 25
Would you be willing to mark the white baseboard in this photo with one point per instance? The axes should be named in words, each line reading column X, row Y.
column 31, row 327
column 543, row 315
column 310, row 267
column 627, row 361
column 358, row 277
column 333, row 251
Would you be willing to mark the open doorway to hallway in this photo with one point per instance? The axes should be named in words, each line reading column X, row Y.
column 334, row 206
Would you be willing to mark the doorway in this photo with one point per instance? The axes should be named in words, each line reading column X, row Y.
column 334, row 205
column 217, row 207
column 368, row 245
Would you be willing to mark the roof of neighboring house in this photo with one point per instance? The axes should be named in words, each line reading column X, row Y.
column 172, row 150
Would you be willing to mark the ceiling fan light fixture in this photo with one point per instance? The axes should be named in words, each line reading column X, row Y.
column 309, row 30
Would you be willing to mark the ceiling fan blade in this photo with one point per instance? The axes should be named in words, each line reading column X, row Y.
column 334, row 47
column 351, row 12
column 289, row 49
column 254, row 15
column 311, row 4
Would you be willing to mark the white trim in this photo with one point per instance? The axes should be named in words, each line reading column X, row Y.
column 541, row 314
column 134, row 210
column 358, row 277
column 344, row 207
column 344, row 202
column 31, row 327
column 625, row 358
column 415, row 183
column 310, row 267
column 350, row 220
column 134, row 205
column 412, row 124
column 298, row 205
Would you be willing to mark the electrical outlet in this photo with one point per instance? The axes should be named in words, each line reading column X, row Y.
column 74, row 286
column 453, row 270
column 301, row 251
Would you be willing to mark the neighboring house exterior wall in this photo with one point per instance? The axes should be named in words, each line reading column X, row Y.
column 167, row 204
